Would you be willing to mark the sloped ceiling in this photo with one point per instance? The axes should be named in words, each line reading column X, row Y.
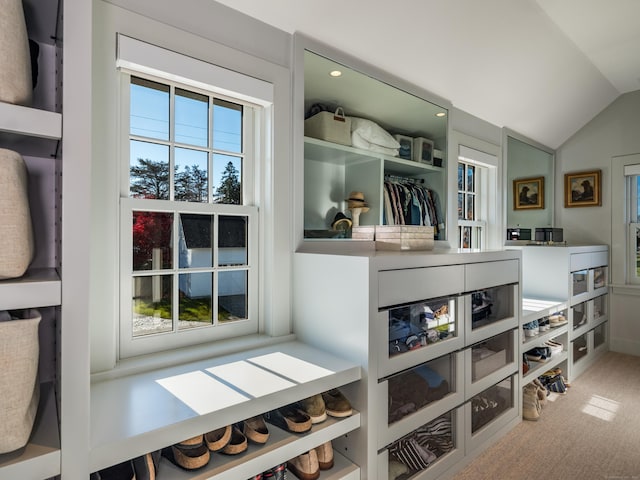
column 543, row 68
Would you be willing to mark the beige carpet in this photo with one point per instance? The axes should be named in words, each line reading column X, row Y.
column 592, row 432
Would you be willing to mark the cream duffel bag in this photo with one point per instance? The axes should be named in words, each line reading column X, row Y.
column 16, row 231
column 19, row 354
column 16, row 85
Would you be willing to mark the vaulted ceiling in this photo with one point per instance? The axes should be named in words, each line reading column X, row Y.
column 543, row 68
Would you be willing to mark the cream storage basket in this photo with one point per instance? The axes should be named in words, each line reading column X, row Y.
column 16, row 231
column 332, row 127
column 16, row 85
column 19, row 354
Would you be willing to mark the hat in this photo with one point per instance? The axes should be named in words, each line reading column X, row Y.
column 356, row 200
column 341, row 222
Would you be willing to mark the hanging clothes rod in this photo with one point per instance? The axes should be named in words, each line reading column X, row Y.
column 398, row 179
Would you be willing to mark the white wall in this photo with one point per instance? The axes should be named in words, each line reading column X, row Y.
column 613, row 132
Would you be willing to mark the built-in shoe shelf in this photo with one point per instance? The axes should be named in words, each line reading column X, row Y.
column 137, row 414
column 40, row 458
column 281, row 447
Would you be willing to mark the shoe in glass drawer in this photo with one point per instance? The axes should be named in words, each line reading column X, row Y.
column 421, row 324
column 490, row 403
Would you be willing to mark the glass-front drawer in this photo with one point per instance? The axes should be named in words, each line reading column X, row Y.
column 425, row 447
column 579, row 346
column 491, row 403
column 599, row 307
column 599, row 335
column 579, row 283
column 599, row 277
column 416, row 388
column 418, row 332
column 491, row 311
column 491, row 355
column 579, row 315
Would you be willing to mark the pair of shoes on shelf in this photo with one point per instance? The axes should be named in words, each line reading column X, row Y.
column 314, row 407
column 531, row 329
column 255, row 429
column 538, row 354
column 308, row 465
column 555, row 347
column 190, row 454
column 290, row 418
column 544, row 324
column 229, row 440
column 139, row 468
column 336, row 404
column 557, row 320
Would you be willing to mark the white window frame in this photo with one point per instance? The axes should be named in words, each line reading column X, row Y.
column 487, row 156
column 624, row 211
column 477, row 226
column 146, row 61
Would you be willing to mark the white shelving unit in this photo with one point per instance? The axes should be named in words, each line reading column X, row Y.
column 575, row 276
column 35, row 133
column 534, row 309
column 133, row 415
column 354, row 322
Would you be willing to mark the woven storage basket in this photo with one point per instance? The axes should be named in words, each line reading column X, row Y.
column 19, row 353
column 332, row 127
column 15, row 58
column 16, row 232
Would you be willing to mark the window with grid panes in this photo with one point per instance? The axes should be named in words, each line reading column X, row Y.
column 470, row 225
column 189, row 227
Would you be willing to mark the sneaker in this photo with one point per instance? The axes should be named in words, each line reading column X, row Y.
column 325, row 455
column 544, row 325
column 336, row 404
column 315, row 408
column 305, row 466
column 531, row 329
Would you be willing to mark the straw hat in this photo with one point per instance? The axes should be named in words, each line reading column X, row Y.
column 356, row 200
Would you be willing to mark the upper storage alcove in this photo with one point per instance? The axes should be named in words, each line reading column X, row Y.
column 332, row 170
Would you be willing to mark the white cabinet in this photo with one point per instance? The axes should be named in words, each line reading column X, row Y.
column 35, row 132
column 408, row 320
column 577, row 276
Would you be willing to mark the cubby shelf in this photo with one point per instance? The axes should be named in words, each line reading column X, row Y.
column 40, row 458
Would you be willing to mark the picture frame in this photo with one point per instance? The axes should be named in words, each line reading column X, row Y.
column 583, row 189
column 528, row 193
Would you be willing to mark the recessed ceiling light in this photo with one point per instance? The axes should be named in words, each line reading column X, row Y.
column 440, row 114
column 335, row 73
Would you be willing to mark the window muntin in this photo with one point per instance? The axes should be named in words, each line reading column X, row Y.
column 191, row 248
column 470, row 226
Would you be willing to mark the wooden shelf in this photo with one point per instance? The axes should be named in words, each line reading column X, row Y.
column 40, row 287
column 32, row 122
column 40, row 458
column 134, row 415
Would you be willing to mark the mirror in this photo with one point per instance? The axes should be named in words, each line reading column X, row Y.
column 333, row 169
column 530, row 187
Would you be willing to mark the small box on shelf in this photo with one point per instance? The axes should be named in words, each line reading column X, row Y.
column 404, row 237
column 423, row 150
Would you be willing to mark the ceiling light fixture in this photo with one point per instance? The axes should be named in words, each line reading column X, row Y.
column 440, row 114
column 335, row 73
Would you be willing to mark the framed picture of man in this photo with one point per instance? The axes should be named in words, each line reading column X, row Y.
column 582, row 189
column 528, row 193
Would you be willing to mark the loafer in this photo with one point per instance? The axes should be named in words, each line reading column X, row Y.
column 324, row 453
column 336, row 404
column 188, row 454
column 289, row 418
column 237, row 444
column 305, row 466
column 255, row 429
column 315, row 408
